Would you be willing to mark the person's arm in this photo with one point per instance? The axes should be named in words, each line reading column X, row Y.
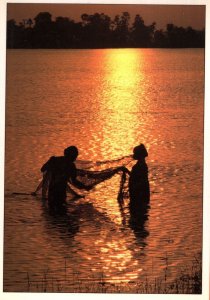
column 78, row 184
column 71, row 191
column 124, row 169
column 38, row 188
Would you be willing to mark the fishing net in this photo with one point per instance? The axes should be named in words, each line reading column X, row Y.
column 92, row 174
column 96, row 165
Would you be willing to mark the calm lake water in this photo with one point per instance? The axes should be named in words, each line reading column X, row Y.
column 105, row 102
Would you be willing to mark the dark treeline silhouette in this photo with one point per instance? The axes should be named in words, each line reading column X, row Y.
column 99, row 31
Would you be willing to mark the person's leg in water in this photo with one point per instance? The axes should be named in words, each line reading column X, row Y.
column 57, row 198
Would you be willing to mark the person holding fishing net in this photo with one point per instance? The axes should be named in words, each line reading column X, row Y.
column 139, row 189
column 59, row 172
column 60, row 176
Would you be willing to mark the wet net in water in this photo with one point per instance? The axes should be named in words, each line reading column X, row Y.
column 92, row 173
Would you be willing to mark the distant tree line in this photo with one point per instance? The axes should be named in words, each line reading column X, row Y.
column 99, row 31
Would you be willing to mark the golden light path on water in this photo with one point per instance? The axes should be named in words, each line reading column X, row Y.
column 123, row 74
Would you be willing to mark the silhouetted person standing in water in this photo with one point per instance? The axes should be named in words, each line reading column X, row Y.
column 61, row 170
column 139, row 184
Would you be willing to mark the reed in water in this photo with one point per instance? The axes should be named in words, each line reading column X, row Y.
column 189, row 281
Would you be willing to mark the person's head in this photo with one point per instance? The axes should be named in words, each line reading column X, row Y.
column 140, row 152
column 71, row 152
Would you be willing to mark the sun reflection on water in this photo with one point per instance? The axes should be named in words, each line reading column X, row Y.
column 123, row 75
column 117, row 259
column 119, row 97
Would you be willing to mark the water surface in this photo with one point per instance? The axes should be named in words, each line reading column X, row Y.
column 105, row 102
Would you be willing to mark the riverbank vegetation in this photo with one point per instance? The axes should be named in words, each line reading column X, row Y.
column 188, row 281
column 98, row 31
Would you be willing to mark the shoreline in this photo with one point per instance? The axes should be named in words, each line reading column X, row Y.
column 188, row 281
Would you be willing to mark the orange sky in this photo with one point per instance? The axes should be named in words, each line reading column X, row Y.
column 180, row 15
